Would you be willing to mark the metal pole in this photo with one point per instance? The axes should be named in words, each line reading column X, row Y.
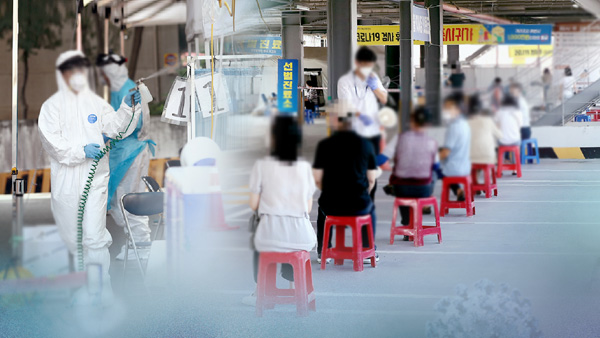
column 191, row 127
column 406, row 64
column 341, row 40
column 17, row 188
column 433, row 63
column 79, row 10
column 106, row 23
column 122, row 32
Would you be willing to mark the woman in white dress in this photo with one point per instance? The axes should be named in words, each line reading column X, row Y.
column 282, row 188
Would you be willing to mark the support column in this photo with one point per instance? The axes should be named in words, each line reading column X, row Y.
column 341, row 40
column 453, row 54
column 433, row 60
column 406, row 63
column 392, row 69
column 292, row 35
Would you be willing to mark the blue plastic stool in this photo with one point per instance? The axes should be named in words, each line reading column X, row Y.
column 583, row 118
column 525, row 155
column 309, row 116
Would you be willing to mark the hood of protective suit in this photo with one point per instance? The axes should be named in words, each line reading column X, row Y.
column 117, row 75
column 60, row 80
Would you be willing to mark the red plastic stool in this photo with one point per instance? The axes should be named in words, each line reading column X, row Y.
column 268, row 294
column 340, row 252
column 416, row 229
column 502, row 166
column 467, row 204
column 489, row 185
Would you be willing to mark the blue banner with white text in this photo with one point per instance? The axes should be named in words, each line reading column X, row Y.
column 287, row 85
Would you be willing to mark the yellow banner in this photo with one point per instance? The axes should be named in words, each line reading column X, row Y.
column 529, row 51
column 468, row 34
column 378, row 35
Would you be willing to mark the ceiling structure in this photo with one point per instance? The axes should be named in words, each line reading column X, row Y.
column 455, row 11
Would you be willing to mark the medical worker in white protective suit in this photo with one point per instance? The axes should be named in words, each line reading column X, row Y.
column 71, row 125
column 129, row 158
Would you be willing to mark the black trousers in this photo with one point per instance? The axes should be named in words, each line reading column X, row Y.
column 287, row 271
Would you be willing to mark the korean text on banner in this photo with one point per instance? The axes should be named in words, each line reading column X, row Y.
column 287, row 85
column 263, row 45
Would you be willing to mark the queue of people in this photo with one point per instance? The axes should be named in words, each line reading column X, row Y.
column 345, row 167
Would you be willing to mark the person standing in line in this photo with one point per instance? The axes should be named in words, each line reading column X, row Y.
column 568, row 85
column 546, row 84
column 363, row 89
column 457, row 78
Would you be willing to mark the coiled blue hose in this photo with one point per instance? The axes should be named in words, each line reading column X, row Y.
column 88, row 186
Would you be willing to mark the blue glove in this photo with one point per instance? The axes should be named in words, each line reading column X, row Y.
column 92, row 150
column 137, row 97
column 106, row 138
column 372, row 82
column 381, row 159
column 365, row 119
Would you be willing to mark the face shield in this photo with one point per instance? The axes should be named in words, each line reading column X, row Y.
column 75, row 72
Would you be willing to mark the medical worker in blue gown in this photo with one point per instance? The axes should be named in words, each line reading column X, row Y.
column 130, row 158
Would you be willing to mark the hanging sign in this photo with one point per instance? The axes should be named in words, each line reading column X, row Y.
column 464, row 34
column 177, row 105
column 221, row 94
column 420, row 24
column 262, row 45
column 529, row 51
column 287, row 85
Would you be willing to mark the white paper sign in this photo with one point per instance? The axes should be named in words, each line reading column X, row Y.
column 221, row 94
column 177, row 105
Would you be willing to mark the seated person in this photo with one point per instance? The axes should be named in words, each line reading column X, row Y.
column 510, row 120
column 414, row 160
column 484, row 133
column 282, row 189
column 345, row 171
column 455, row 154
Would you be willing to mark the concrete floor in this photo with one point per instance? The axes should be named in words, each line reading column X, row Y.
column 540, row 236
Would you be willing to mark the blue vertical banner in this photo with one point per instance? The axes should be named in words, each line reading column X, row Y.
column 287, row 85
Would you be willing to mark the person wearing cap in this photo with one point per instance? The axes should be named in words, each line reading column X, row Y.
column 363, row 89
column 71, row 124
column 345, row 171
column 414, row 160
column 130, row 157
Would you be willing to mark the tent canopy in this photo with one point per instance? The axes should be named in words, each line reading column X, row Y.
column 146, row 12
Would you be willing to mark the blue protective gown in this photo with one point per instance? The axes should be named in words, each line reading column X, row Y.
column 125, row 151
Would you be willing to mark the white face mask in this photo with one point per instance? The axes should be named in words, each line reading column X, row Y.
column 365, row 71
column 78, row 82
column 446, row 116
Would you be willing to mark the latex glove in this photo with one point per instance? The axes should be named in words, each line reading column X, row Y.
column 137, row 97
column 92, row 150
column 365, row 119
column 106, row 138
column 381, row 159
column 372, row 82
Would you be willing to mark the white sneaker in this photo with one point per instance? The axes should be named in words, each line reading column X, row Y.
column 250, row 300
column 143, row 252
column 327, row 261
column 368, row 260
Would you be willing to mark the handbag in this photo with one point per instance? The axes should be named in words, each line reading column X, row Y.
column 252, row 226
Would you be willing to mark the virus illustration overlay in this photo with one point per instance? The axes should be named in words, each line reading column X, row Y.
column 484, row 311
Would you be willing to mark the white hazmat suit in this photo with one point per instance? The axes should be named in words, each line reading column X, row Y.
column 67, row 122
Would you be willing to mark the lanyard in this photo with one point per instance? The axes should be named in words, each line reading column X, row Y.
column 356, row 90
